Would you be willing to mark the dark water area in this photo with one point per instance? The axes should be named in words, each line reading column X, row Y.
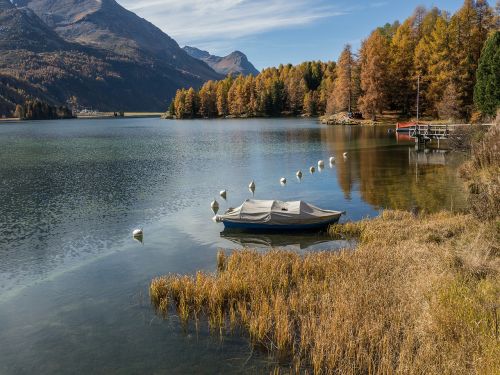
column 73, row 282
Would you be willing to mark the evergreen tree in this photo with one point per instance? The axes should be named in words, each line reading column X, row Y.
column 278, row 97
column 487, row 89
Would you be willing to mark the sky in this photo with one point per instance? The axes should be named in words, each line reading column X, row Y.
column 271, row 32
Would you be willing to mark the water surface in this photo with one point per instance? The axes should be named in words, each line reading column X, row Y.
column 73, row 283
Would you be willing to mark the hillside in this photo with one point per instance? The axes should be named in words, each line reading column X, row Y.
column 235, row 63
column 98, row 52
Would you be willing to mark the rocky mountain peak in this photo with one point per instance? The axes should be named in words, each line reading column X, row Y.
column 235, row 63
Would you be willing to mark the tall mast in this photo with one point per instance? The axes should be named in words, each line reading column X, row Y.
column 418, row 95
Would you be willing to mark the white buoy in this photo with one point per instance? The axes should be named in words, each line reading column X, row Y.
column 223, row 193
column 137, row 233
column 251, row 187
column 344, row 155
column 283, row 180
column 321, row 163
column 312, row 169
column 332, row 159
column 299, row 174
column 215, row 206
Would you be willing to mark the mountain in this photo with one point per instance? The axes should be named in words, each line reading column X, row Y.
column 235, row 63
column 97, row 51
column 23, row 30
column 105, row 24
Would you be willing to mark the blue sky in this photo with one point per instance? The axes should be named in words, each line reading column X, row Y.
column 271, row 32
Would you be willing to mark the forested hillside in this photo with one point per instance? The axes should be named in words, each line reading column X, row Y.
column 90, row 52
column 439, row 51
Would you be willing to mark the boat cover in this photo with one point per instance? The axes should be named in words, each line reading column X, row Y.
column 274, row 212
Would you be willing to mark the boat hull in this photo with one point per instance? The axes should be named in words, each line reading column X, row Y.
column 279, row 228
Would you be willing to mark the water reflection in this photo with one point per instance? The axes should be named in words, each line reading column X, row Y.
column 394, row 175
column 294, row 241
column 428, row 157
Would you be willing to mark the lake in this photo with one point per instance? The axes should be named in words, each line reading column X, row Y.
column 73, row 281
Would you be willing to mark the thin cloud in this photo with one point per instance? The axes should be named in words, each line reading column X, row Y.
column 216, row 22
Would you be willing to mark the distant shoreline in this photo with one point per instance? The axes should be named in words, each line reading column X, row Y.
column 107, row 115
column 98, row 115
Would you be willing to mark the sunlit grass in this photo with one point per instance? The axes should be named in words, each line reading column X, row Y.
column 418, row 295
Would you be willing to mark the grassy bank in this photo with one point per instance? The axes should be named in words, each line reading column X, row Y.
column 419, row 294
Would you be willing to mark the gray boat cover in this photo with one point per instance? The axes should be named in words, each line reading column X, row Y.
column 277, row 213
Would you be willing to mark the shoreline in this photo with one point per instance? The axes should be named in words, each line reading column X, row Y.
column 98, row 116
column 108, row 115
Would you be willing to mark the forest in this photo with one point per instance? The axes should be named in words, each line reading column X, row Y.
column 37, row 110
column 454, row 59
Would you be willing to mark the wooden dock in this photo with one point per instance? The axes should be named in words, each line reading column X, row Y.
column 431, row 131
column 423, row 133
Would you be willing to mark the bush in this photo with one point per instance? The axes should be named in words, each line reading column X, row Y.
column 463, row 137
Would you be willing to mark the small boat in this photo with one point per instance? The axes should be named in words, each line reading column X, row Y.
column 405, row 127
column 273, row 215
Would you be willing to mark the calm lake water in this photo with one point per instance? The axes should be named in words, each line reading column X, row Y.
column 74, row 284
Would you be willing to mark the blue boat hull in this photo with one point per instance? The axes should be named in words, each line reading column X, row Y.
column 277, row 228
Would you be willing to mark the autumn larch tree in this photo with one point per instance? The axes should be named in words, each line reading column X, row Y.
column 341, row 97
column 374, row 75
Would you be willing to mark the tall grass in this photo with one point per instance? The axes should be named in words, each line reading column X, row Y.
column 482, row 175
column 418, row 295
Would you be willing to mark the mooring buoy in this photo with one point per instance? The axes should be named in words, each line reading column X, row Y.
column 215, row 206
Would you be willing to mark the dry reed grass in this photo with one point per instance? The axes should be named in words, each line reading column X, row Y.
column 418, row 295
column 482, row 175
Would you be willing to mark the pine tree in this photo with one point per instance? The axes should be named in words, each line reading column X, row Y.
column 487, row 89
column 278, row 96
